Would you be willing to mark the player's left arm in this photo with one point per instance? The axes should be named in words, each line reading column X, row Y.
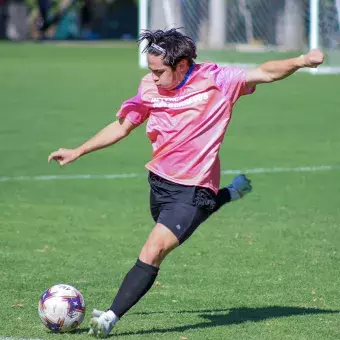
column 279, row 69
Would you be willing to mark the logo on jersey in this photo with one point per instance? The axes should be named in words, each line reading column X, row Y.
column 180, row 101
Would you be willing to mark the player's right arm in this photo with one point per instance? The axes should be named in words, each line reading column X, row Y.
column 111, row 134
column 132, row 113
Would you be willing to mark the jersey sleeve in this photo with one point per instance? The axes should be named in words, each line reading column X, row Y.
column 231, row 81
column 134, row 109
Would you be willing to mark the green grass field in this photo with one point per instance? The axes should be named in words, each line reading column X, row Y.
column 265, row 268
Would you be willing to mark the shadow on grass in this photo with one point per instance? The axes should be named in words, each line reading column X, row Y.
column 234, row 316
column 81, row 330
column 76, row 331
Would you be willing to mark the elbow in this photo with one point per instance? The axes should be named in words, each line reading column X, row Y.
column 121, row 129
column 124, row 132
column 267, row 76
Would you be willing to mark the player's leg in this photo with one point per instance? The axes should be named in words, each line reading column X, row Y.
column 239, row 187
column 176, row 221
column 138, row 280
column 142, row 276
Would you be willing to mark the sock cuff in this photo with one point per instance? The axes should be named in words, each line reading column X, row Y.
column 147, row 267
column 112, row 316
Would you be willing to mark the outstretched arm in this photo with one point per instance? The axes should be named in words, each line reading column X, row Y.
column 111, row 134
column 280, row 69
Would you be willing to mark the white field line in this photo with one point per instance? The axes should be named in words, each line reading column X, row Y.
column 314, row 168
column 11, row 338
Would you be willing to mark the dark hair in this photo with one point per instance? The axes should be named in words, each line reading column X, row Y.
column 177, row 46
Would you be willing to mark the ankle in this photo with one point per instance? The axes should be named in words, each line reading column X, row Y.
column 111, row 316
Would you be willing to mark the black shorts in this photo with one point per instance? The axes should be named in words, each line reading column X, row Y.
column 180, row 208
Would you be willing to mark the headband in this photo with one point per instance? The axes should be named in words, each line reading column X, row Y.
column 158, row 48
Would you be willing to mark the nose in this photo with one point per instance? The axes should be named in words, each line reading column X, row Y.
column 155, row 78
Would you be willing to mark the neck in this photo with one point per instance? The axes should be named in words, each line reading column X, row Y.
column 186, row 77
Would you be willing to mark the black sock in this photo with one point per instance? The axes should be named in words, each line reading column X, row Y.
column 223, row 197
column 136, row 284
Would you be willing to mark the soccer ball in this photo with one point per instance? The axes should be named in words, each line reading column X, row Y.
column 61, row 308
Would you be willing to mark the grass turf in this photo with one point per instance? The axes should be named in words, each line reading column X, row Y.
column 263, row 268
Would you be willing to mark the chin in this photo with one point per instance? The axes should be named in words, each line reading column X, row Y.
column 168, row 87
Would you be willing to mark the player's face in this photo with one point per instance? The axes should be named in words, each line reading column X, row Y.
column 164, row 76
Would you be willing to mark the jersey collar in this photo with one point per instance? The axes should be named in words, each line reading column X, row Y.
column 186, row 77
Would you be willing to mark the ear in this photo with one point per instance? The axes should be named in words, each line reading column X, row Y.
column 183, row 65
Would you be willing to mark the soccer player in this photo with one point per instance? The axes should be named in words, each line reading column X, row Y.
column 187, row 107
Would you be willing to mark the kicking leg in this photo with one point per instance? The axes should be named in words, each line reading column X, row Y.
column 239, row 187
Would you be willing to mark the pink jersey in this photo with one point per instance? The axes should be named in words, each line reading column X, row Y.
column 186, row 126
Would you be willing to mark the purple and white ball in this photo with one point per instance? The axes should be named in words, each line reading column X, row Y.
column 62, row 308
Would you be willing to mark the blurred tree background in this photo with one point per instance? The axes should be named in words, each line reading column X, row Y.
column 89, row 19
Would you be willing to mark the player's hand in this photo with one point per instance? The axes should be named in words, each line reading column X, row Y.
column 64, row 156
column 313, row 58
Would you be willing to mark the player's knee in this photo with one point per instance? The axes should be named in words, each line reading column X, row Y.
column 154, row 252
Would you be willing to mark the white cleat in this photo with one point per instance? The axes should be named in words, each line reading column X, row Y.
column 102, row 323
column 97, row 313
column 239, row 187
